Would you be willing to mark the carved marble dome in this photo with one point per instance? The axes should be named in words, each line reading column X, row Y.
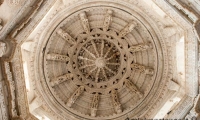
column 102, row 60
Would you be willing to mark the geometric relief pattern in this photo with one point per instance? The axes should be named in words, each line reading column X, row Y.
column 96, row 60
column 57, row 57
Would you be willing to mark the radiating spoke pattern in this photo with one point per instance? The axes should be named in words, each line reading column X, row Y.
column 99, row 63
column 99, row 60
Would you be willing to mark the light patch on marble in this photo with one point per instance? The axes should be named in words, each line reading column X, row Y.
column 166, row 108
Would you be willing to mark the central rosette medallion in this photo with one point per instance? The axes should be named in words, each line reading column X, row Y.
column 99, row 60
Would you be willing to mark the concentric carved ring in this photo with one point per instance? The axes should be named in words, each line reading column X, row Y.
column 99, row 60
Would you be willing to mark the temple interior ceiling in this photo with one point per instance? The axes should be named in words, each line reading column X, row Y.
column 99, row 59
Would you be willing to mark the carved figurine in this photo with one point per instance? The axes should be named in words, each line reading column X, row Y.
column 61, row 79
column 138, row 67
column 142, row 69
column 57, row 57
column 149, row 71
column 2, row 48
column 141, row 47
column 84, row 22
column 75, row 96
column 94, row 104
column 107, row 20
column 128, row 29
column 116, row 102
column 132, row 88
column 66, row 36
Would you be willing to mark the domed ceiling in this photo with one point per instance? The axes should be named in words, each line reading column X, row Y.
column 102, row 59
column 102, row 62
